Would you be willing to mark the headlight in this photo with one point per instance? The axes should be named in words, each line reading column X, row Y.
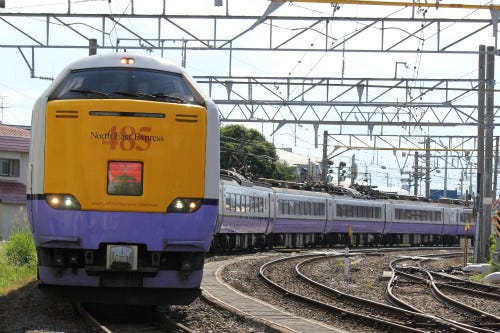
column 184, row 205
column 62, row 201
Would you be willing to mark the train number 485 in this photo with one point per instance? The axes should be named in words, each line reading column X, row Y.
column 128, row 138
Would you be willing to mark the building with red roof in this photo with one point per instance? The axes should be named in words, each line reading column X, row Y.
column 14, row 154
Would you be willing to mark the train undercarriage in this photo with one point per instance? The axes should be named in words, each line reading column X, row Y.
column 235, row 242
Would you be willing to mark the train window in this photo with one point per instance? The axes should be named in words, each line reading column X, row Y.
column 242, row 203
column 129, row 83
column 233, row 202
column 466, row 217
column 9, row 167
column 125, row 178
column 288, row 207
column 349, row 211
column 343, row 210
column 339, row 210
column 316, row 209
column 307, row 208
column 237, row 203
column 301, row 208
column 227, row 199
column 245, row 203
column 322, row 208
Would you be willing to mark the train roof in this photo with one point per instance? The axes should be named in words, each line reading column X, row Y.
column 356, row 193
column 301, row 192
column 113, row 60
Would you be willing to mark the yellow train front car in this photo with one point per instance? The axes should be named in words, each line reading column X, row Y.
column 123, row 183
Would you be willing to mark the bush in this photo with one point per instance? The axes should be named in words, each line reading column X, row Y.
column 20, row 249
column 493, row 242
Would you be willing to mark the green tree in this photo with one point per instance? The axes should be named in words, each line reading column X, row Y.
column 285, row 172
column 248, row 152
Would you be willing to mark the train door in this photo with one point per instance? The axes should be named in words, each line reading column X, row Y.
column 451, row 221
column 327, row 208
column 389, row 218
column 384, row 219
column 220, row 215
column 329, row 236
column 269, row 212
column 452, row 217
column 445, row 222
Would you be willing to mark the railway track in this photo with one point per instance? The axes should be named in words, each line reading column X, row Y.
column 409, row 279
column 118, row 319
column 385, row 317
column 474, row 289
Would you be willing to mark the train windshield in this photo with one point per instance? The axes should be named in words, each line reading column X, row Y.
column 125, row 83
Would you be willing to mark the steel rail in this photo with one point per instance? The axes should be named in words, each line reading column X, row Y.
column 462, row 327
column 329, row 307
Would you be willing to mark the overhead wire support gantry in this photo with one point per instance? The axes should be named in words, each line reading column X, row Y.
column 436, row 4
column 363, row 106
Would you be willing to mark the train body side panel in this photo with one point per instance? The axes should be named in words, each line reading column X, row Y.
column 243, row 210
column 341, row 225
column 410, row 223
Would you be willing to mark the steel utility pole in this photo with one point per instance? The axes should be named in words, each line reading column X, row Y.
column 480, row 155
column 488, row 154
column 496, row 255
column 495, row 171
column 1, row 107
column 416, row 175
column 427, row 167
column 325, row 157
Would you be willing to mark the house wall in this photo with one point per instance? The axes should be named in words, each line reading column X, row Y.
column 12, row 217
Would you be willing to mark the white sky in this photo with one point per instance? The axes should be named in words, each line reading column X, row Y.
column 19, row 91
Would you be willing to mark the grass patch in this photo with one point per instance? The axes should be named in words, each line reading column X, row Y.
column 477, row 277
column 17, row 261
